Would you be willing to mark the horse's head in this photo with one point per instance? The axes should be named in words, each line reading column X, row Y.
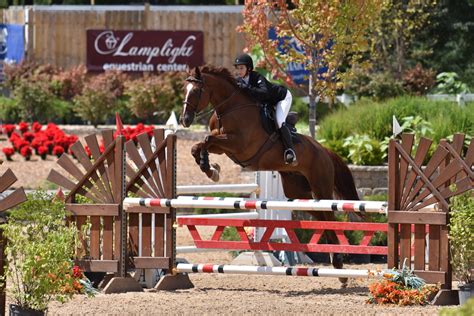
column 196, row 97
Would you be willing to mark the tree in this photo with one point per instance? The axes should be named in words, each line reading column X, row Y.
column 449, row 39
column 396, row 31
column 330, row 33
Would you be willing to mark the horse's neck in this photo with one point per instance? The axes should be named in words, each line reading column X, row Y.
column 225, row 97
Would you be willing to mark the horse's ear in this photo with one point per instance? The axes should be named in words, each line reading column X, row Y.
column 197, row 72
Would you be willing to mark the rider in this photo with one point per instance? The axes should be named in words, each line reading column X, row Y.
column 267, row 93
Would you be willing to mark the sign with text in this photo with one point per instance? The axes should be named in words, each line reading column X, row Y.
column 139, row 51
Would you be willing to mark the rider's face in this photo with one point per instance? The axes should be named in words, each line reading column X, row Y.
column 241, row 70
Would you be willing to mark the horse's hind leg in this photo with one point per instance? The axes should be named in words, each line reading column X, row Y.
column 296, row 186
column 324, row 190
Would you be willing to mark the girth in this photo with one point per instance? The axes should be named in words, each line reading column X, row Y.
column 266, row 146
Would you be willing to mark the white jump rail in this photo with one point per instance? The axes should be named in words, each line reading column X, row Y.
column 230, row 203
column 253, row 204
column 283, row 271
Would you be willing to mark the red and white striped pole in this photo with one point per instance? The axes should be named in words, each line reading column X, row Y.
column 250, row 204
column 285, row 271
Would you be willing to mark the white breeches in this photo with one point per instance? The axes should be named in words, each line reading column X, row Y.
column 282, row 108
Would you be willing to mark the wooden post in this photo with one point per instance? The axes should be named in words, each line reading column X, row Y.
column 393, row 204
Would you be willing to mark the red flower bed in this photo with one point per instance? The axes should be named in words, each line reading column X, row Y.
column 51, row 139
column 132, row 132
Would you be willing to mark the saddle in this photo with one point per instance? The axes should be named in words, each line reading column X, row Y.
column 269, row 123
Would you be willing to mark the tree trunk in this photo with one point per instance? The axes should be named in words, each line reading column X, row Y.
column 312, row 108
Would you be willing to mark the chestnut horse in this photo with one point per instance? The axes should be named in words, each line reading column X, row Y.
column 237, row 131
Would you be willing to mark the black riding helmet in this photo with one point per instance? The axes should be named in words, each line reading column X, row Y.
column 244, row 59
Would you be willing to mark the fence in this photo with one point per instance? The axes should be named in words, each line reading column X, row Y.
column 57, row 34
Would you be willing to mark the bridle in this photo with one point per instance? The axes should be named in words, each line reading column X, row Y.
column 201, row 89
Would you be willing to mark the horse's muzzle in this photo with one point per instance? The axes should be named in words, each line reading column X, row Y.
column 187, row 119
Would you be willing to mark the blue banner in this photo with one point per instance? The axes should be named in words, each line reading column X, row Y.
column 297, row 71
column 12, row 43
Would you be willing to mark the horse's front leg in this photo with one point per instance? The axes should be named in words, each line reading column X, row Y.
column 196, row 152
column 215, row 144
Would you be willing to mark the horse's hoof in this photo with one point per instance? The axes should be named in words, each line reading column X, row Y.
column 343, row 282
column 215, row 176
column 215, row 168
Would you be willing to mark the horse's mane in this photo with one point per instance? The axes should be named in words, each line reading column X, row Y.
column 221, row 72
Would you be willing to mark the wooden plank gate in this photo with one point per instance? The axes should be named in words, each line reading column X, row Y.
column 110, row 243
column 413, row 186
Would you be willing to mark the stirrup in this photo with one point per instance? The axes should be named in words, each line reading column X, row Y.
column 290, row 157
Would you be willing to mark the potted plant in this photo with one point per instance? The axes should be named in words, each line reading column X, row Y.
column 461, row 238
column 39, row 252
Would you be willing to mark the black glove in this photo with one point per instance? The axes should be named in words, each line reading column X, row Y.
column 242, row 84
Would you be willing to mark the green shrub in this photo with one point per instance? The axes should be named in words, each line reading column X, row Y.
column 449, row 83
column 461, row 236
column 9, row 110
column 375, row 118
column 154, row 93
column 34, row 99
column 384, row 86
column 68, row 84
column 363, row 150
column 379, row 85
column 100, row 96
column 39, row 251
column 432, row 119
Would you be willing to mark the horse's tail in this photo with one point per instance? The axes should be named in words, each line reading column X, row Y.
column 343, row 179
column 344, row 183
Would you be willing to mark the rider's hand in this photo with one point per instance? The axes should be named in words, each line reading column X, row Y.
column 242, row 84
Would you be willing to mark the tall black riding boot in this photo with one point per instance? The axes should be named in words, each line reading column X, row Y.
column 289, row 156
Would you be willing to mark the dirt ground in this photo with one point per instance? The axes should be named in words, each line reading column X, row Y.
column 221, row 294
column 218, row 294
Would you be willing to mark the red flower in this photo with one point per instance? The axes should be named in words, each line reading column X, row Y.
column 43, row 151
column 8, row 151
column 88, row 151
column 28, row 136
column 13, row 137
column 20, row 143
column 149, row 130
column 26, row 152
column 23, row 127
column 49, row 144
column 36, row 127
column 58, row 151
column 37, row 142
column 9, row 128
column 76, row 272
